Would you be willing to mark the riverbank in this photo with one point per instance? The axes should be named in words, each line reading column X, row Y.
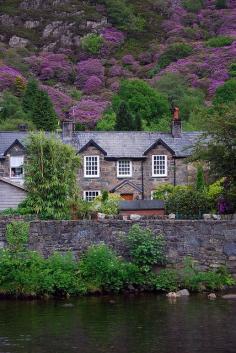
column 26, row 273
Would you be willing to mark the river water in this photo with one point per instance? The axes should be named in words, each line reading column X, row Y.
column 144, row 324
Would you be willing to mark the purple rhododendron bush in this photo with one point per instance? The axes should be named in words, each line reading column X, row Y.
column 81, row 52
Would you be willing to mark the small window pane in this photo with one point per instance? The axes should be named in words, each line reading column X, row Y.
column 124, row 168
column 159, row 165
column 16, row 167
column 90, row 195
column 92, row 166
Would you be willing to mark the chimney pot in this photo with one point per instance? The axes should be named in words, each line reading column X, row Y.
column 176, row 128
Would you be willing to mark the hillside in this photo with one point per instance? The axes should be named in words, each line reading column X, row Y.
column 80, row 51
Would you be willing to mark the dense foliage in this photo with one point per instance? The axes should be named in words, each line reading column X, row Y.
column 141, row 102
column 26, row 273
column 92, row 43
column 174, row 52
column 191, row 201
column 219, row 150
column 145, row 248
column 50, row 176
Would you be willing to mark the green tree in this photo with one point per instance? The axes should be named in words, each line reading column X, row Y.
column 107, row 123
column 124, row 119
column 226, row 93
column 179, row 94
column 10, row 108
column 143, row 100
column 50, row 176
column 28, row 100
column 217, row 146
column 39, row 108
column 200, row 180
column 43, row 113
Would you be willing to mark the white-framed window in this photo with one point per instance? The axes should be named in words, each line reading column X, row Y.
column 16, row 167
column 89, row 195
column 124, row 168
column 91, row 166
column 159, row 166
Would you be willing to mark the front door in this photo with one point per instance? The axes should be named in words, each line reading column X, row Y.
column 127, row 197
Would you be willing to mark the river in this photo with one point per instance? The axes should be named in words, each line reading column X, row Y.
column 143, row 324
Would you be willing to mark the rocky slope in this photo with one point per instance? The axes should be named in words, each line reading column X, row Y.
column 49, row 40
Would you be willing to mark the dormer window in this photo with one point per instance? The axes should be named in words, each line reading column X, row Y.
column 16, row 167
column 159, row 166
column 91, row 167
column 124, row 168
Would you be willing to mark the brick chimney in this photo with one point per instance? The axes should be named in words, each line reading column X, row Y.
column 67, row 129
column 176, row 127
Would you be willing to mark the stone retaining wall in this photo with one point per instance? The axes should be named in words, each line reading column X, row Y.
column 211, row 243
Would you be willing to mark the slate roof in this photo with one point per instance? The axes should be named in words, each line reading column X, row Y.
column 134, row 144
column 141, row 205
column 8, row 138
column 118, row 144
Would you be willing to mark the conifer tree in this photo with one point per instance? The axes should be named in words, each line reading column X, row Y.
column 124, row 119
column 200, row 180
column 43, row 113
column 38, row 107
column 138, row 123
column 29, row 96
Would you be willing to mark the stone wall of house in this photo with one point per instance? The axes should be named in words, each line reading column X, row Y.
column 108, row 173
column 210, row 243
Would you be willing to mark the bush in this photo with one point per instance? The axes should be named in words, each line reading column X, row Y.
column 220, row 41
column 109, row 206
column 196, row 280
column 173, row 53
column 101, row 269
column 76, row 94
column 232, row 70
column 188, row 203
column 92, row 43
column 221, row 4
column 225, row 93
column 167, row 280
column 146, row 249
column 107, row 123
column 192, row 5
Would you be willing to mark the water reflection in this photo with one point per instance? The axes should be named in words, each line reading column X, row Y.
column 122, row 325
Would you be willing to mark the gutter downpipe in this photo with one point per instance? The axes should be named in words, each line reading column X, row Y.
column 142, row 181
column 174, row 171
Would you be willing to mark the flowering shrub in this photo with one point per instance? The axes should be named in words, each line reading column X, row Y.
column 93, row 85
column 128, row 59
column 88, row 111
column 51, row 66
column 113, row 36
column 88, row 68
column 116, row 70
column 60, row 100
column 9, row 77
column 209, row 64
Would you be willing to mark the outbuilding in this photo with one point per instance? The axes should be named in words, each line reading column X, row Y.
column 142, row 208
column 11, row 194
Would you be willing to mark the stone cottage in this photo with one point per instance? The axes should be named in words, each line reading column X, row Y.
column 131, row 164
